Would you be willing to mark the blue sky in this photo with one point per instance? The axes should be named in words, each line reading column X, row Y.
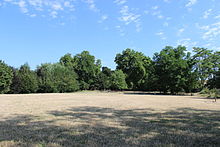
column 40, row 31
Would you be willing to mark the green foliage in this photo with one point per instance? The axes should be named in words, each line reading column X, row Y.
column 56, row 78
column 5, row 77
column 172, row 69
column 86, row 66
column 211, row 93
column 204, row 65
column 118, row 80
column 104, row 79
column 213, row 70
column 134, row 65
column 24, row 81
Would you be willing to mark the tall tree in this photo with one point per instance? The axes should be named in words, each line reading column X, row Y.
column 104, row 78
column 135, row 65
column 214, row 80
column 170, row 68
column 6, row 76
column 88, row 69
column 203, row 64
column 24, row 81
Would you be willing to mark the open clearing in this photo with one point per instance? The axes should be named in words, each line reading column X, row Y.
column 108, row 119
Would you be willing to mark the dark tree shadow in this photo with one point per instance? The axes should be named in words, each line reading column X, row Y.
column 154, row 93
column 110, row 127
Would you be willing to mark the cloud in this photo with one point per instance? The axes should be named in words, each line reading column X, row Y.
column 57, row 6
column 155, row 7
column 207, row 13
column 121, row 30
column 128, row 17
column 161, row 35
column 217, row 17
column 22, row 5
column 92, row 5
column 53, row 14
column 211, row 32
column 187, row 42
column 120, row 2
column 48, row 7
column 180, row 31
column 156, row 12
column 191, row 3
column 103, row 18
column 167, row 1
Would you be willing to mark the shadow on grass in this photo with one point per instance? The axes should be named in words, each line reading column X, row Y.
column 95, row 126
column 154, row 93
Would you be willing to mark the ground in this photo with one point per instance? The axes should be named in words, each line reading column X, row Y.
column 108, row 119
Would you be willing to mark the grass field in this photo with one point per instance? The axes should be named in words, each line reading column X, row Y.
column 108, row 119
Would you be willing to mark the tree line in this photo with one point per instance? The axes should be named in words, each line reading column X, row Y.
column 172, row 70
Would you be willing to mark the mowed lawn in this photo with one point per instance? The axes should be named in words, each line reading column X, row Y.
column 108, row 119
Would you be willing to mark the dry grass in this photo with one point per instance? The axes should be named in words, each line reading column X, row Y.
column 108, row 119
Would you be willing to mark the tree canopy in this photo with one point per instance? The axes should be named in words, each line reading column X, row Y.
column 171, row 70
column 6, row 76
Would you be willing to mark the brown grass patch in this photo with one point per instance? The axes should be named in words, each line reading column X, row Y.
column 108, row 119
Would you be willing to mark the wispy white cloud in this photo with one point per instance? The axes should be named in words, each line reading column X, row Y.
column 165, row 24
column 217, row 16
column 211, row 32
column 207, row 13
column 92, row 5
column 187, row 42
column 167, row 1
column 156, row 12
column 180, row 31
column 103, row 18
column 48, row 7
column 128, row 17
column 191, row 3
column 155, row 7
column 121, row 30
column 161, row 35
column 120, row 2
column 23, row 6
column 53, row 14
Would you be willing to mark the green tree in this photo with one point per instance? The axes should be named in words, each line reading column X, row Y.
column 6, row 76
column 118, row 80
column 105, row 78
column 135, row 65
column 213, row 75
column 171, row 69
column 45, row 78
column 24, row 81
column 88, row 69
column 68, row 61
column 204, row 64
column 56, row 78
column 217, row 83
